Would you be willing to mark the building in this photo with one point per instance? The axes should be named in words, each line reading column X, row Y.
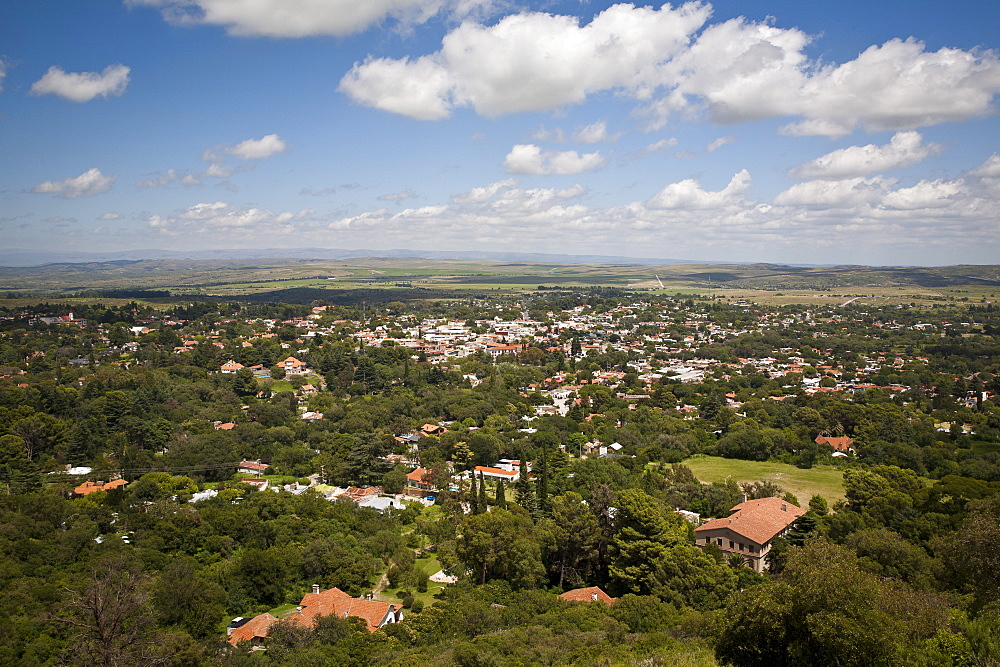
column 750, row 529
column 591, row 594
column 508, row 476
column 293, row 366
column 252, row 468
column 839, row 444
column 230, row 367
column 419, row 482
column 332, row 602
column 87, row 488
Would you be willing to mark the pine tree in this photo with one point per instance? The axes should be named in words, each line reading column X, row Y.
column 473, row 495
column 501, row 496
column 483, row 500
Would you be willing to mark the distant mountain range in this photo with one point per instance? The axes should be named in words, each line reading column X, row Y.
column 41, row 257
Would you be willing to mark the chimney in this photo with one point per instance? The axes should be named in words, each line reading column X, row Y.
column 784, row 508
column 593, row 597
column 315, row 589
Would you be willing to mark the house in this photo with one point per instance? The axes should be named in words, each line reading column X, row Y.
column 749, row 529
column 87, row 488
column 230, row 367
column 332, row 602
column 419, row 480
column 432, row 429
column 509, row 476
column 293, row 366
column 252, row 467
column 839, row 444
column 591, row 594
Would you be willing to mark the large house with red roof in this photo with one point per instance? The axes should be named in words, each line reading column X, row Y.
column 839, row 443
column 332, row 602
column 750, row 529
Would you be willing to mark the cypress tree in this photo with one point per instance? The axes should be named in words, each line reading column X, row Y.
column 473, row 495
column 483, row 500
column 501, row 497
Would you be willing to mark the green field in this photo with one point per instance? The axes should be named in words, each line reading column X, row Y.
column 823, row 480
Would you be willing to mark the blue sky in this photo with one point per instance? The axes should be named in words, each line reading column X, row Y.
column 802, row 132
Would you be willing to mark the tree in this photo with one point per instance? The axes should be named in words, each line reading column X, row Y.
column 483, row 500
column 500, row 499
column 818, row 505
column 576, row 533
column 644, row 530
column 111, row 621
column 501, row 545
column 473, row 495
column 825, row 610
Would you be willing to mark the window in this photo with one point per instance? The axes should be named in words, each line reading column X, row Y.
column 730, row 544
column 719, row 541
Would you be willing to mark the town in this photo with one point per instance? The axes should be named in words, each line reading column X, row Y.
column 294, row 468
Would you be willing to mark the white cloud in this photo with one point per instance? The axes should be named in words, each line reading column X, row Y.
column 256, row 149
column 110, row 216
column 83, row 86
column 904, row 149
column 719, row 143
column 485, row 193
column 304, row 18
column 688, row 195
column 3, row 70
column 661, row 146
column 843, row 193
column 666, row 58
column 988, row 169
column 90, row 182
column 160, row 180
column 926, row 195
column 595, row 133
column 419, row 89
column 529, row 159
column 217, row 216
column 529, row 62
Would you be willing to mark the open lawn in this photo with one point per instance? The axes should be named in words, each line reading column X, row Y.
column 804, row 483
column 427, row 565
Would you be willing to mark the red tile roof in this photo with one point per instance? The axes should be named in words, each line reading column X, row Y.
column 592, row 594
column 90, row 487
column 757, row 520
column 839, row 444
column 256, row 627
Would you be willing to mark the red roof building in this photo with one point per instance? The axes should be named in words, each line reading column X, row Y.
column 749, row 529
column 592, row 594
column 331, row 602
column 839, row 444
column 91, row 487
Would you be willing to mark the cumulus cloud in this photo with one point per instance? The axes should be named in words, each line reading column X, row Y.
column 988, row 169
column 530, row 159
column 672, row 62
column 719, row 143
column 304, row 18
column 90, row 182
column 842, row 193
column 689, row 195
column 257, row 149
column 529, row 62
column 83, row 86
column 904, row 149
